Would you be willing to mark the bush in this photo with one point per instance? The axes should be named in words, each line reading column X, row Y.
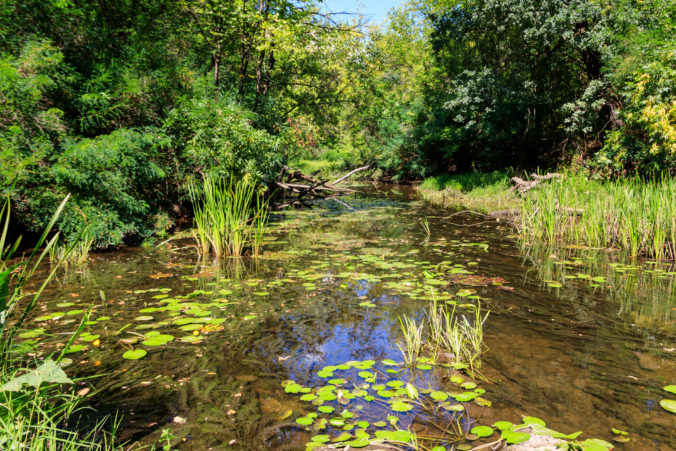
column 215, row 135
column 646, row 141
column 115, row 181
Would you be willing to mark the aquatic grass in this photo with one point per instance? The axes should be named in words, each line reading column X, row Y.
column 457, row 338
column 635, row 215
column 227, row 218
column 412, row 344
column 76, row 254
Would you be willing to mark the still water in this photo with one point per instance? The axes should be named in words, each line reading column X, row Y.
column 579, row 338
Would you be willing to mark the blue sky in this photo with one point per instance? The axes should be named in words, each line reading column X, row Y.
column 375, row 10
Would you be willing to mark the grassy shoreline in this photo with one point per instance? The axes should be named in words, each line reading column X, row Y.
column 634, row 215
column 481, row 192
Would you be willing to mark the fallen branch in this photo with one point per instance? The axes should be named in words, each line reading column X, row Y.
column 523, row 186
column 350, row 173
column 301, row 185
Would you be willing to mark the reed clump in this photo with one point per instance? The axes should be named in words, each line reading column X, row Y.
column 444, row 335
column 231, row 216
column 635, row 215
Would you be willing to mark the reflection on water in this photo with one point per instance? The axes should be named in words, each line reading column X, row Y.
column 589, row 355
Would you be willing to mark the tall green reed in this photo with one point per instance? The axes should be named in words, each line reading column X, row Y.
column 230, row 216
column 635, row 215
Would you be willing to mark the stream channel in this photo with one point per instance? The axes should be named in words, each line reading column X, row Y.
column 579, row 338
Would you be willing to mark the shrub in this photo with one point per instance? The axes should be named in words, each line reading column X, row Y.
column 115, row 181
column 216, row 135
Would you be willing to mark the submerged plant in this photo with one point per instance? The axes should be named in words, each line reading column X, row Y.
column 230, row 216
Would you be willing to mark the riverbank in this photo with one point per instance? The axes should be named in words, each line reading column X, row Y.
column 633, row 215
column 481, row 192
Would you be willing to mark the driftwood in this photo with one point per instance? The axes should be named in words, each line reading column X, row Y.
column 299, row 186
column 522, row 186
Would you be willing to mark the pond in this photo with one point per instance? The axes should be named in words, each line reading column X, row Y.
column 221, row 353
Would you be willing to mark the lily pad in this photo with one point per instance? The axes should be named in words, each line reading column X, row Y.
column 482, row 431
column 134, row 354
column 513, row 438
column 669, row 405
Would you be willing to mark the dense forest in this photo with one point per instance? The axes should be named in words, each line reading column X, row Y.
column 123, row 103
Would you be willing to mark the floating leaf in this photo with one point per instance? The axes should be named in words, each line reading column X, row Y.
column 670, row 389
column 503, row 425
column 358, row 443
column 342, row 437
column 439, row 396
column 401, row 406
column 533, row 420
column 305, row 421
column 134, row 354
column 669, row 405
column 323, row 438
column 513, row 438
column 325, row 409
column 482, row 431
column 595, row 444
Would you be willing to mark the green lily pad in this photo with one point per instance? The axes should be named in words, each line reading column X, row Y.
column 358, row 443
column 670, row 389
column 482, row 431
column 503, row 425
column 439, row 396
column 533, row 420
column 669, row 405
column 305, row 421
column 322, row 438
column 514, row 438
column 401, row 406
column 134, row 354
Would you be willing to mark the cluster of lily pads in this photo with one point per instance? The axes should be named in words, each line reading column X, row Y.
column 368, row 402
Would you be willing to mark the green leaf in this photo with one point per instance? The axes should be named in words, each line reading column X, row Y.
column 595, row 444
column 134, row 354
column 670, row 389
column 305, row 421
column 669, row 405
column 533, row 420
column 513, row 438
column 49, row 371
column 322, row 438
column 482, row 431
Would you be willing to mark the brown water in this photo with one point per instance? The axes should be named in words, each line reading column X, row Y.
column 589, row 355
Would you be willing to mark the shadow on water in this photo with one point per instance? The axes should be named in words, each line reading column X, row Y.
column 576, row 337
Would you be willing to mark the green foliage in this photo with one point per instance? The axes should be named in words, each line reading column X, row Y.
column 217, row 136
column 28, row 125
column 116, row 181
column 646, row 139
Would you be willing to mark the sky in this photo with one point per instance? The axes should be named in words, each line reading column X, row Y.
column 375, row 10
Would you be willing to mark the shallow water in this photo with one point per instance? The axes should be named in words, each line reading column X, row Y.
column 589, row 355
